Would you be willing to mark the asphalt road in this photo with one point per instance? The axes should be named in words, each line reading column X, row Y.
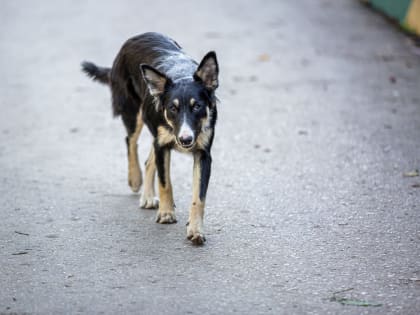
column 319, row 118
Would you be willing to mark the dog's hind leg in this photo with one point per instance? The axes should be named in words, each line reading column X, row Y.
column 134, row 125
column 148, row 198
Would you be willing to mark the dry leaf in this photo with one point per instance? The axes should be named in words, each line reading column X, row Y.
column 264, row 57
column 412, row 173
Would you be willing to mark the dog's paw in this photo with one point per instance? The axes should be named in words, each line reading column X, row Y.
column 149, row 202
column 135, row 180
column 166, row 217
column 196, row 236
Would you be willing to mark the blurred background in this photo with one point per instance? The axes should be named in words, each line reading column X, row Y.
column 313, row 205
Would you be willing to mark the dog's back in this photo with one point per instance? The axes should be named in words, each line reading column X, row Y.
column 156, row 50
column 127, row 85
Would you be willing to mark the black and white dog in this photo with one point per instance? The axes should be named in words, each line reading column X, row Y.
column 154, row 82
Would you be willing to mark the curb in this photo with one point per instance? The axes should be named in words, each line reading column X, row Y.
column 406, row 12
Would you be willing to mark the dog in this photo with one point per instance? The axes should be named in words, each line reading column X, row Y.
column 155, row 83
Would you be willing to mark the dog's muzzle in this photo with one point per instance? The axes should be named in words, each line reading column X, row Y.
column 186, row 136
column 186, row 141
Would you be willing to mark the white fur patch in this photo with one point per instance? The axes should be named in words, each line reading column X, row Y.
column 185, row 130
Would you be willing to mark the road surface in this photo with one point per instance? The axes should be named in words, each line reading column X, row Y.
column 319, row 120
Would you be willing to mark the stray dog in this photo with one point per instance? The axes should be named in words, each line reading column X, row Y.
column 154, row 82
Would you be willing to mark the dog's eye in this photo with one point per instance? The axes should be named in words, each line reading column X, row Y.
column 173, row 108
column 196, row 107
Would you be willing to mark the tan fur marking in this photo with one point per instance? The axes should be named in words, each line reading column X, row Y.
column 166, row 213
column 192, row 101
column 204, row 138
column 148, row 198
column 206, row 132
column 195, row 226
column 175, row 102
column 167, row 120
column 139, row 125
column 196, row 182
column 134, row 172
column 165, row 136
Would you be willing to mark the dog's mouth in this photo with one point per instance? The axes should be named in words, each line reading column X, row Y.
column 188, row 146
column 185, row 145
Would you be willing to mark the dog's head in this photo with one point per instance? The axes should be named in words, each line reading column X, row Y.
column 186, row 105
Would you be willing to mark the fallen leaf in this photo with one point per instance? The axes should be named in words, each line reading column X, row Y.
column 411, row 174
column 264, row 57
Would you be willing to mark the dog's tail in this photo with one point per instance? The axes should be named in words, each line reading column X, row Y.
column 100, row 74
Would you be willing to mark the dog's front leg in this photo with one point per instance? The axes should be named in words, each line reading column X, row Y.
column 201, row 176
column 166, row 212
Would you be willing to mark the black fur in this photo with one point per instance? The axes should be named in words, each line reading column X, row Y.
column 99, row 74
column 205, row 163
column 160, row 163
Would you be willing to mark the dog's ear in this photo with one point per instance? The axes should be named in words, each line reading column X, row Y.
column 208, row 71
column 156, row 81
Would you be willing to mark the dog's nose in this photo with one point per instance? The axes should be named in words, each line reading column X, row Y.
column 186, row 140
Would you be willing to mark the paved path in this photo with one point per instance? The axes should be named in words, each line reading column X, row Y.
column 319, row 120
